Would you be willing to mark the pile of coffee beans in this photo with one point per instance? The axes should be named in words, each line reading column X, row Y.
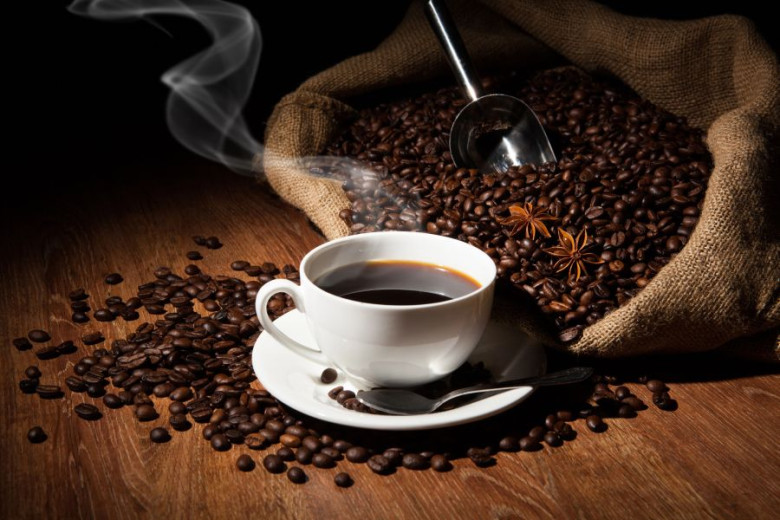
column 630, row 175
column 195, row 358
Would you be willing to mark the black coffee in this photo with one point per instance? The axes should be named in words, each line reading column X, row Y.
column 396, row 282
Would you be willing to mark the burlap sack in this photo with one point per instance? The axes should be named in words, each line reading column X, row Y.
column 717, row 72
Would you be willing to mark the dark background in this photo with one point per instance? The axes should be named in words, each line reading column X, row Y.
column 86, row 102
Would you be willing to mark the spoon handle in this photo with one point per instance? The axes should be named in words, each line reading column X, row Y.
column 443, row 25
column 562, row 377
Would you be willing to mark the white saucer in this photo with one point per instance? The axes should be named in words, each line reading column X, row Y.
column 295, row 381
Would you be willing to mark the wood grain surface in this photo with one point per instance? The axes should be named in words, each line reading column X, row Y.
column 715, row 457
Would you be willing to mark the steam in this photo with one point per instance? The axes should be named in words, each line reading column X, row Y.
column 208, row 90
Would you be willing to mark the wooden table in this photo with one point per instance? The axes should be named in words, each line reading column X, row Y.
column 715, row 457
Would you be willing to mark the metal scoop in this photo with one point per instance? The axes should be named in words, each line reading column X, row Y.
column 494, row 131
column 399, row 401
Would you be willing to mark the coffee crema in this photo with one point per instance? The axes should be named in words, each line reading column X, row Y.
column 397, row 282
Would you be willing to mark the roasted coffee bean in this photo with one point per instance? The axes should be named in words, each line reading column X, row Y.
column 239, row 265
column 213, row 242
column 87, row 411
column 480, row 456
column 296, row 475
column 46, row 353
column 287, row 454
column 38, row 336
column 146, row 412
column 328, row 376
column 209, row 431
column 92, row 338
column 245, row 463
column 78, row 294
column 159, row 435
column 509, row 443
column 179, row 422
column 322, row 460
column 344, row 395
column 529, row 443
column 49, row 391
column 32, row 372
column 595, row 423
column 335, row 391
column 22, row 344
column 379, row 464
column 66, row 347
column 194, row 255
column 661, row 399
column 112, row 401
column 28, row 386
column 634, row 402
column 394, row 456
column 343, row 479
column 253, row 442
column 199, row 240
column 220, row 442
column 183, row 393
column 357, row 454
column 201, row 415
column 289, row 440
column 537, row 433
column 192, row 269
column 96, row 390
column 113, row 279
column 332, row 452
column 176, row 407
column 104, row 315
column 414, row 461
column 274, row 463
column 36, row 435
column 655, row 386
column 440, row 463
column 234, row 436
column 552, row 438
column 304, row 455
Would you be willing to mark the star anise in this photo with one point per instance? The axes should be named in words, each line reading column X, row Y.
column 571, row 253
column 528, row 217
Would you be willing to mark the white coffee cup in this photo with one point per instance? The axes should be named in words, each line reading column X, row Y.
column 387, row 345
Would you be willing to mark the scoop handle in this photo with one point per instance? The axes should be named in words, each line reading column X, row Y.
column 444, row 27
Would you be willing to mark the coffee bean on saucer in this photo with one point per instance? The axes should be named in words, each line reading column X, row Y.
column 296, row 475
column 36, row 435
column 273, row 463
column 113, row 279
column 335, row 391
column 22, row 344
column 245, row 463
column 159, row 435
column 343, row 479
column 87, row 411
column 328, row 376
column 440, row 463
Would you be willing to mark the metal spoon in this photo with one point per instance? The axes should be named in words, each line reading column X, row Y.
column 518, row 136
column 399, row 401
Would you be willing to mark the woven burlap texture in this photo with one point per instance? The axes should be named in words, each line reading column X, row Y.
column 717, row 72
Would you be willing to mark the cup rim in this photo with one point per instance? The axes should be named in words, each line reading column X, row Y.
column 364, row 305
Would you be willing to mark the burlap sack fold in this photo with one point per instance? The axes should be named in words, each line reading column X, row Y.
column 717, row 72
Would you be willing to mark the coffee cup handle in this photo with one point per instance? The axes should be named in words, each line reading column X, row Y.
column 264, row 295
